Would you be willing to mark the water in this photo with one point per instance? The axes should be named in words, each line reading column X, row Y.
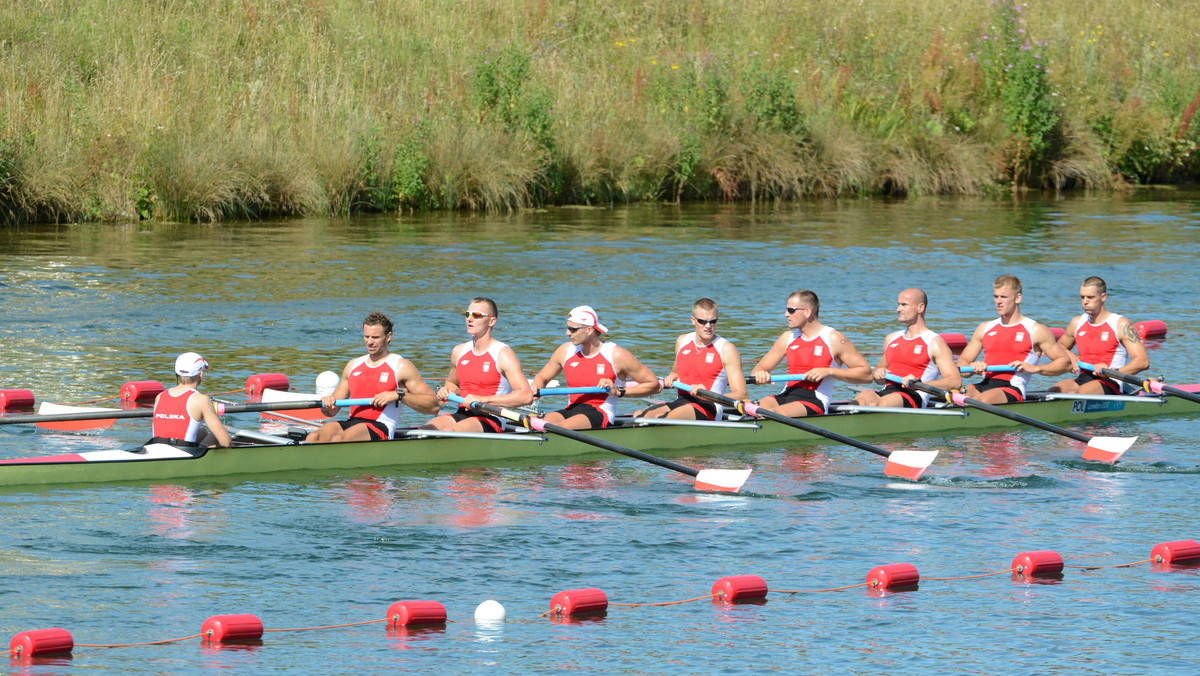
column 88, row 308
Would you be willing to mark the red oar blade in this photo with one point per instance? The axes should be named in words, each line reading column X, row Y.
column 1107, row 449
column 47, row 408
column 909, row 464
column 730, row 480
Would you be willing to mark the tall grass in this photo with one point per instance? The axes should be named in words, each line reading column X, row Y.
column 191, row 110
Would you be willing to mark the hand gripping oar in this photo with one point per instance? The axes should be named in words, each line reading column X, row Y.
column 1150, row 385
column 93, row 414
column 706, row 479
column 1104, row 449
column 990, row 369
column 907, row 464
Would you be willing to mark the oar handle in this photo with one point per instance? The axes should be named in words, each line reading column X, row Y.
column 786, row 378
column 286, row 405
column 990, row 369
column 548, row 391
column 1150, row 385
column 535, row 423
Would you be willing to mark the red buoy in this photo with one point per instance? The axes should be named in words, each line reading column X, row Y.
column 1153, row 328
column 736, row 588
column 56, row 641
column 11, row 400
column 1057, row 332
column 579, row 602
column 229, row 628
column 255, row 384
column 408, row 613
column 1039, row 563
column 141, row 390
column 956, row 341
column 894, row 576
column 1175, row 552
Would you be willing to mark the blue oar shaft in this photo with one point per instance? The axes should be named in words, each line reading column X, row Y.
column 548, row 391
column 990, row 369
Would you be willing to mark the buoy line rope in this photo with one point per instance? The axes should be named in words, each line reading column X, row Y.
column 331, row 626
column 665, row 603
column 973, row 577
column 130, row 645
column 1118, row 565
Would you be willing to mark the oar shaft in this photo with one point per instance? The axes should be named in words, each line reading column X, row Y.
column 149, row 412
column 990, row 369
column 956, row 398
column 1149, row 384
column 548, row 391
column 754, row 410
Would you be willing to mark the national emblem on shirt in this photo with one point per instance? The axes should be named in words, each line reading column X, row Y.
column 818, row 350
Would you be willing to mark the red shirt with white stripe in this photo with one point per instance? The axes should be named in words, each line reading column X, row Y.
column 1101, row 343
column 1003, row 344
column 171, row 417
column 702, row 365
column 583, row 371
column 366, row 381
column 479, row 374
column 911, row 356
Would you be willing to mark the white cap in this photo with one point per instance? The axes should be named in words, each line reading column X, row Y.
column 585, row 315
column 189, row 364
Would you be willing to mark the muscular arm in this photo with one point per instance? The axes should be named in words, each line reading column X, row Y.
column 551, row 369
column 417, row 393
column 855, row 366
column 762, row 370
column 200, row 407
column 629, row 368
column 1067, row 341
column 1043, row 340
column 1138, row 359
column 342, row 391
column 944, row 359
column 671, row 377
column 510, row 367
column 970, row 354
column 733, row 370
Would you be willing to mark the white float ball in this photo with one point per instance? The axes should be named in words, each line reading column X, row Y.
column 327, row 382
column 489, row 611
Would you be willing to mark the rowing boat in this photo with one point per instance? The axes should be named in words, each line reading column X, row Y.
column 260, row 454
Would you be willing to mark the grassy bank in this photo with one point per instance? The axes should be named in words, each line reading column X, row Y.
column 186, row 109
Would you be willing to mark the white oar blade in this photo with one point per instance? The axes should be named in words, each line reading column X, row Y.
column 47, row 408
column 1107, row 449
column 721, row 479
column 909, row 464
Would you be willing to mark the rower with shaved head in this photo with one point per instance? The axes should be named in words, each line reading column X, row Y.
column 914, row 353
column 1011, row 340
column 1105, row 339
column 387, row 379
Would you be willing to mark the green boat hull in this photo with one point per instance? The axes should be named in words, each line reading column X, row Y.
column 664, row 439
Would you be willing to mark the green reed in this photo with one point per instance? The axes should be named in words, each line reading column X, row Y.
column 191, row 110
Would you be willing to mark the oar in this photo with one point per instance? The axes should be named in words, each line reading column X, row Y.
column 547, row 391
column 149, row 412
column 1150, row 385
column 907, row 464
column 706, row 479
column 1104, row 449
column 990, row 369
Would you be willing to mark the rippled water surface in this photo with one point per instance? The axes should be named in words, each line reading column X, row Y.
column 87, row 308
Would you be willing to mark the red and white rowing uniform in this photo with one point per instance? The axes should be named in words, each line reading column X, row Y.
column 1005, row 343
column 702, row 365
column 479, row 373
column 171, row 417
column 583, row 371
column 806, row 354
column 1101, row 343
column 366, row 381
column 911, row 357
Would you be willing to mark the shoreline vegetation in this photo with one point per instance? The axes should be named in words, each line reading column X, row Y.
column 191, row 110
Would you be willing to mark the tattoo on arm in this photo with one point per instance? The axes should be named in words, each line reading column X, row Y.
column 1131, row 334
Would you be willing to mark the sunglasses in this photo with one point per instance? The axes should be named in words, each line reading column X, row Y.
column 794, row 310
column 573, row 329
column 475, row 315
column 706, row 322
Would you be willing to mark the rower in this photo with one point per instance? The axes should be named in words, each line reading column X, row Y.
column 811, row 349
column 1105, row 339
column 182, row 413
column 915, row 353
column 702, row 359
column 589, row 361
column 482, row 369
column 384, row 377
column 1012, row 340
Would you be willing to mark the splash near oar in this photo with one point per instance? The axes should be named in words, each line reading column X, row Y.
column 907, row 464
column 1103, row 449
column 1150, row 385
column 706, row 479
